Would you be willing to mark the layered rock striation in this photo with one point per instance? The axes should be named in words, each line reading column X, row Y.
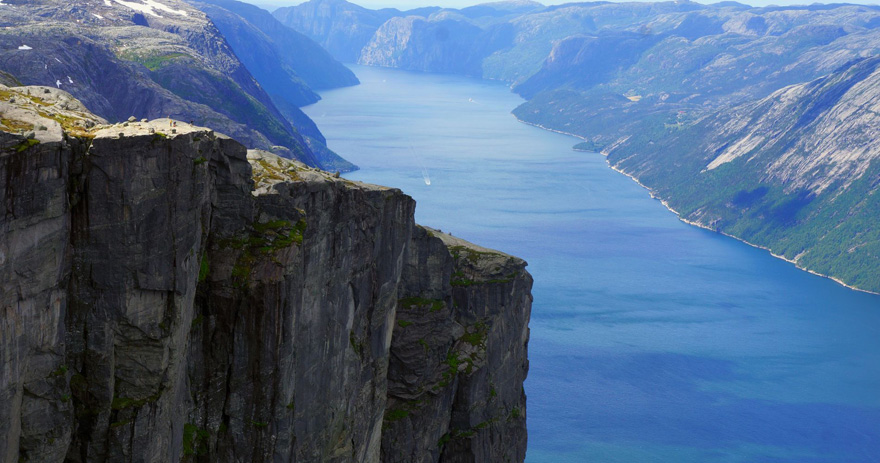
column 167, row 295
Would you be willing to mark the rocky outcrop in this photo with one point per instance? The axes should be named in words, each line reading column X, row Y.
column 167, row 295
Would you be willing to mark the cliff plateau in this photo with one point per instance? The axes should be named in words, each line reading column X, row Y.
column 167, row 295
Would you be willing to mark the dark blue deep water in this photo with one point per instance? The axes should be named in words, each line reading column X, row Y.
column 652, row 341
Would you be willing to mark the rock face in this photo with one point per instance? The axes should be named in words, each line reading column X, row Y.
column 459, row 344
column 167, row 295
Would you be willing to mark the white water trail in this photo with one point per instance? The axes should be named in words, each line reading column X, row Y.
column 425, row 176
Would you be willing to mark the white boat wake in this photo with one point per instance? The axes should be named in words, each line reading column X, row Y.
column 425, row 176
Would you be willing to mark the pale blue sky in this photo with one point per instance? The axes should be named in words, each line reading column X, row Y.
column 408, row 4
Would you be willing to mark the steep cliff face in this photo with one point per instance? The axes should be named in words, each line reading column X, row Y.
column 36, row 411
column 459, row 344
column 167, row 295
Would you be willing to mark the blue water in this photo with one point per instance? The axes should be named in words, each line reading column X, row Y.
column 651, row 340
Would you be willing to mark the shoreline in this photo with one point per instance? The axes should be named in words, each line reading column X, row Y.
column 551, row 130
column 699, row 225
column 741, row 240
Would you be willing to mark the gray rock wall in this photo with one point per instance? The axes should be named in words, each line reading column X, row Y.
column 36, row 412
column 458, row 355
column 173, row 297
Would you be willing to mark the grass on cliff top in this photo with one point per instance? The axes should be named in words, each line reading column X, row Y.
column 13, row 125
column 266, row 172
column 6, row 95
column 472, row 255
column 70, row 124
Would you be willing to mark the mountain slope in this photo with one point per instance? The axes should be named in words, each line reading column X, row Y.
column 260, row 55
column 303, row 56
column 165, row 59
column 585, row 89
column 287, row 64
column 797, row 172
column 800, row 187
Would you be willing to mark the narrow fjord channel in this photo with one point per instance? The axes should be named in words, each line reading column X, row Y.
column 651, row 340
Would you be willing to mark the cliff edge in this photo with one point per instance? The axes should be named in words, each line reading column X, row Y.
column 167, row 295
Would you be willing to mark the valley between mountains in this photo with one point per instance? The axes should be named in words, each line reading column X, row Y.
column 187, row 275
column 759, row 123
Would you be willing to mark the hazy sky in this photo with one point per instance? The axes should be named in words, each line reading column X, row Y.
column 408, row 4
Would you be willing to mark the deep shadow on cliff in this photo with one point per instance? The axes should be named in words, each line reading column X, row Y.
column 168, row 296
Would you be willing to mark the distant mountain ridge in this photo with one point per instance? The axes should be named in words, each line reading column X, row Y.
column 339, row 26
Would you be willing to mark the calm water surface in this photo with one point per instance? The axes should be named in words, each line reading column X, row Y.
column 652, row 341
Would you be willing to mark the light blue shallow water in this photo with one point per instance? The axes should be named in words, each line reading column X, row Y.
column 652, row 341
